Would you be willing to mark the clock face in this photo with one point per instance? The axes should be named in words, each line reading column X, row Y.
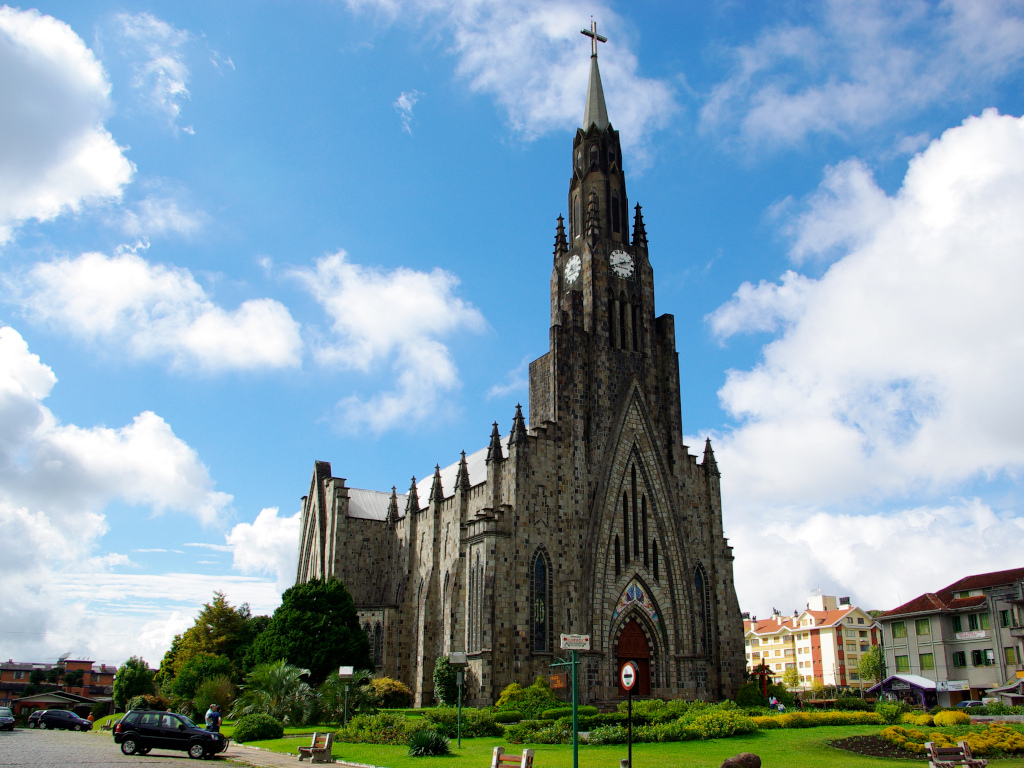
column 572, row 269
column 621, row 263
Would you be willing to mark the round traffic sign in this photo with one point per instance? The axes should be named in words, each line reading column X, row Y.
column 628, row 675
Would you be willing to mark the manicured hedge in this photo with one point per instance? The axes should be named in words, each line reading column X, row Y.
column 258, row 727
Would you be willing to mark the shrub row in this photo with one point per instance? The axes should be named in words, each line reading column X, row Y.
column 716, row 724
column 815, row 719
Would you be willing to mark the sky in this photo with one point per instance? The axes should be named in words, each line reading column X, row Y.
column 239, row 237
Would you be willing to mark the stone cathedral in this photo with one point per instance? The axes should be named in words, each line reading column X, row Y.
column 594, row 518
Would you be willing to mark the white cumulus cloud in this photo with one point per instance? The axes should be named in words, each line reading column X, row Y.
column 396, row 318
column 269, row 545
column 158, row 312
column 56, row 482
column 529, row 56
column 845, row 67
column 894, row 376
column 55, row 153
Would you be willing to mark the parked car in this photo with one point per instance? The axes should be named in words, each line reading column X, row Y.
column 141, row 730
column 6, row 719
column 966, row 704
column 61, row 718
column 33, row 718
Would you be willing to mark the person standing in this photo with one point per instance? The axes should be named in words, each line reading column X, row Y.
column 213, row 718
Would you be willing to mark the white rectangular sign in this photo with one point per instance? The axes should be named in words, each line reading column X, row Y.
column 575, row 642
column 978, row 634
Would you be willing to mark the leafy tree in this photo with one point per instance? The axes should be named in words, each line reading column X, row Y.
column 316, row 628
column 217, row 690
column 74, row 679
column 219, row 629
column 791, row 678
column 872, row 664
column 134, row 678
column 817, row 688
column 276, row 689
column 446, row 689
column 393, row 694
column 54, row 675
column 203, row 666
column 37, row 676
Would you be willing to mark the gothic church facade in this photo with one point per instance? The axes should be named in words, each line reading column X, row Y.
column 594, row 519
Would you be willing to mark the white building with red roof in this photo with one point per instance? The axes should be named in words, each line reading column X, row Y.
column 824, row 642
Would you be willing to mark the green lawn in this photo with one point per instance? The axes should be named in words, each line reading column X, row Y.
column 797, row 748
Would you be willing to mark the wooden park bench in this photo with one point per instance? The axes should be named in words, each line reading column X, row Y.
column 952, row 757
column 500, row 759
column 106, row 726
column 319, row 750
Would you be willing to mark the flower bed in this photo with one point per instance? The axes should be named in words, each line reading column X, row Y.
column 997, row 738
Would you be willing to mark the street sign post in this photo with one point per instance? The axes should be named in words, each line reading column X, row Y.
column 627, row 676
column 574, row 644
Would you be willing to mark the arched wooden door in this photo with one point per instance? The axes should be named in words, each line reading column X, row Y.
column 633, row 647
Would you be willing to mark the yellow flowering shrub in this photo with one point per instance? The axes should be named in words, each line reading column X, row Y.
column 997, row 738
column 911, row 718
column 951, row 717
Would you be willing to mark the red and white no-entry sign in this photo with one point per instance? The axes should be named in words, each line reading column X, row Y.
column 628, row 675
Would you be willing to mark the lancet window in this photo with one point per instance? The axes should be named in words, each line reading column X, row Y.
column 540, row 603
column 378, row 644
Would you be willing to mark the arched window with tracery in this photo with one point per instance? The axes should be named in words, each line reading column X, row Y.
column 540, row 603
column 576, row 216
column 378, row 645
column 618, row 559
column 700, row 585
column 615, row 211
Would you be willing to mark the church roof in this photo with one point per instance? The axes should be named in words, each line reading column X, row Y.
column 595, row 111
column 373, row 505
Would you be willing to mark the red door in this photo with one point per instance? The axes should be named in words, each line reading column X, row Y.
column 633, row 647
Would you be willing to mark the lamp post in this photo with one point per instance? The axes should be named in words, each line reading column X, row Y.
column 458, row 660
column 346, row 674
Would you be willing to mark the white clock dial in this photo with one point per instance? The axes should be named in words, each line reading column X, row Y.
column 572, row 269
column 621, row 263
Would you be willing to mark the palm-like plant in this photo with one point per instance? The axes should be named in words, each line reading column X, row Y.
column 276, row 689
column 361, row 697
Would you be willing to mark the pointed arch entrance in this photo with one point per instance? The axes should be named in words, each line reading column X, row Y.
column 633, row 646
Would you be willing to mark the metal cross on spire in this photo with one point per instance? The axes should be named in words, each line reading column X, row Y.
column 594, row 37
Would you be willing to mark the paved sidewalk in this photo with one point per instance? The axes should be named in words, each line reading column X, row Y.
column 264, row 758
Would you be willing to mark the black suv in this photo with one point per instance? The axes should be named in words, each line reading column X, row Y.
column 141, row 730
column 61, row 718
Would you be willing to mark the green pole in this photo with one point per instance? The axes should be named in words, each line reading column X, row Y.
column 458, row 680
column 575, row 715
column 346, row 705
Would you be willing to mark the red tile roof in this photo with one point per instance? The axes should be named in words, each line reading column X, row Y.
column 945, row 599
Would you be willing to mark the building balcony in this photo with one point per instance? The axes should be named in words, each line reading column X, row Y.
column 1016, row 631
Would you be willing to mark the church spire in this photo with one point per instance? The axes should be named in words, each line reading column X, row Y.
column 639, row 231
column 519, row 433
column 494, row 452
column 710, row 465
column 462, row 478
column 595, row 112
column 436, row 489
column 412, row 501
column 392, row 516
column 561, row 246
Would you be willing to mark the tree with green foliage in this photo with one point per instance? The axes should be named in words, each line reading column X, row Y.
column 217, row 690
column 446, row 687
column 134, row 678
column 315, row 627
column 872, row 664
column 74, row 678
column 201, row 667
column 220, row 629
column 276, row 689
column 791, row 678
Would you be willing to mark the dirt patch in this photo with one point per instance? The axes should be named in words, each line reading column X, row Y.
column 874, row 746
